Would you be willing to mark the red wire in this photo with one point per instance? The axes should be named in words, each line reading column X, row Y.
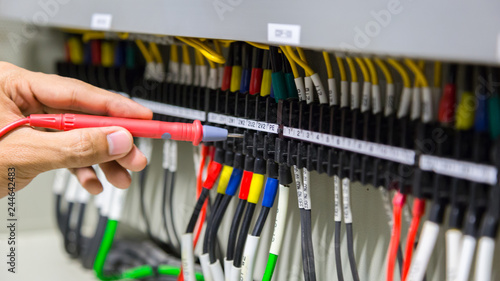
column 398, row 203
column 417, row 212
column 13, row 125
column 199, row 187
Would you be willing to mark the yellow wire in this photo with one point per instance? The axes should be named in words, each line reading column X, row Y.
column 174, row 54
column 293, row 65
column 258, row 45
column 226, row 43
column 302, row 55
column 352, row 68
column 421, row 80
column 300, row 62
column 328, row 63
column 373, row 71
column 107, row 54
column 145, row 53
column 204, row 49
column 255, row 188
column 402, row 71
column 421, row 64
column 224, row 177
column 92, row 35
column 185, row 55
column 155, row 52
column 437, row 74
column 364, row 69
column 75, row 50
column 385, row 70
column 343, row 74
column 217, row 46
column 197, row 57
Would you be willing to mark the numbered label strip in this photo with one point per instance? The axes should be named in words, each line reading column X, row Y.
column 172, row 110
column 395, row 154
column 242, row 123
column 459, row 169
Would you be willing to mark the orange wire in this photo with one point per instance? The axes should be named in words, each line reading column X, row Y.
column 203, row 213
column 417, row 212
column 398, row 203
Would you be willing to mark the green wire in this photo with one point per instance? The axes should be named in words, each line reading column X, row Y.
column 494, row 112
column 270, row 266
column 133, row 273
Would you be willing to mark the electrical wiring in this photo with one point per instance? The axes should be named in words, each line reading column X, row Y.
column 398, row 203
column 271, row 188
column 332, row 89
column 390, row 95
column 59, row 186
column 299, row 183
column 366, row 96
column 417, row 213
column 299, row 81
column 237, row 69
column 76, row 50
column 169, row 165
column 405, row 99
column 265, row 88
column 426, row 98
column 285, row 179
column 155, row 52
column 208, row 52
column 14, row 125
column 258, row 45
column 375, row 88
column 144, row 51
column 254, row 192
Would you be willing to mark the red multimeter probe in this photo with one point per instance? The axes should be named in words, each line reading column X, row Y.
column 194, row 132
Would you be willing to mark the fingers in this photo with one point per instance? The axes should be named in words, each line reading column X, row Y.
column 134, row 160
column 116, row 174
column 88, row 179
column 31, row 91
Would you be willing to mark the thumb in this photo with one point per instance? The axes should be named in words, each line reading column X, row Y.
column 86, row 147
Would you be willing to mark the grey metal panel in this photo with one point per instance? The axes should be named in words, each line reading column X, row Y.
column 465, row 30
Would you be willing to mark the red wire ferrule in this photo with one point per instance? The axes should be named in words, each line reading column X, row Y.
column 212, row 174
column 245, row 185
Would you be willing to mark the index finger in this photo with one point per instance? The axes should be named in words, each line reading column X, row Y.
column 71, row 94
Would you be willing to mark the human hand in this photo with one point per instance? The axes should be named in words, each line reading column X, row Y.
column 32, row 151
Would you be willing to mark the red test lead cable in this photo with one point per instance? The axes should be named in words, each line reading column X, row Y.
column 398, row 202
column 417, row 213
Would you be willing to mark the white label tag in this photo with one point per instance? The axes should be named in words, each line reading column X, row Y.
column 459, row 169
column 338, row 211
column 101, row 21
column 283, row 33
column 346, row 185
column 298, row 185
column 305, row 194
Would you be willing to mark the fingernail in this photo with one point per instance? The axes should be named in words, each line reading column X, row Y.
column 119, row 143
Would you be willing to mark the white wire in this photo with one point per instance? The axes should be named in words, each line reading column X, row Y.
column 466, row 256
column 344, row 94
column 346, row 192
column 453, row 245
column 424, row 250
column 377, row 99
column 249, row 255
column 279, row 224
column 416, row 104
column 427, row 108
column 235, row 273
column 228, row 268
column 205, row 267
column 216, row 271
column 484, row 260
column 187, row 256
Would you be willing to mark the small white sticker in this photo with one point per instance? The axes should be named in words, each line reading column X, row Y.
column 283, row 33
column 101, row 21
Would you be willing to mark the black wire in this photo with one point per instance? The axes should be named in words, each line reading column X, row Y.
column 142, row 186
column 219, row 215
column 93, row 247
column 261, row 221
column 78, row 229
column 210, row 221
column 59, row 215
column 197, row 210
column 242, row 236
column 350, row 251
column 164, row 213
column 338, row 260
column 306, row 267
column 171, row 210
column 233, row 231
column 67, row 229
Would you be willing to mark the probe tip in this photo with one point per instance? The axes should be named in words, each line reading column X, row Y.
column 235, row 135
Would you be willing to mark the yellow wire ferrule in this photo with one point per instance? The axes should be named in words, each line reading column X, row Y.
column 255, row 188
column 224, row 177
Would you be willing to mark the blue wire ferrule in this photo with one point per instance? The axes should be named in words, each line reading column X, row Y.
column 270, row 192
column 245, row 80
column 234, row 182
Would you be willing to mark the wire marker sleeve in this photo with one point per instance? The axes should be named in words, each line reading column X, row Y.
column 300, row 188
column 280, row 222
column 427, row 108
column 416, row 104
column 212, row 81
column 236, row 78
column 60, row 179
column 234, row 182
column 366, row 97
column 344, row 94
column 466, row 256
column 255, row 188
column 72, row 190
column 166, row 154
column 355, row 95
column 205, row 267
column 484, row 259
column 320, row 90
column 306, row 184
column 337, row 200
column 228, row 268
column 390, row 98
column 213, row 172
column 117, row 204
column 405, row 101
column 173, row 156
column 235, row 273
column 453, row 245
column 245, row 185
column 332, row 92
column 377, row 99
column 346, row 185
column 203, row 75
column 301, row 90
column 270, row 192
column 419, row 263
column 187, row 256
column 216, row 271
column 173, row 72
column 146, row 147
column 308, row 84
column 249, row 255
column 224, row 178
column 266, row 86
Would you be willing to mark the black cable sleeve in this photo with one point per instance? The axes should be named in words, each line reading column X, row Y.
column 197, row 210
column 261, row 221
column 210, row 221
column 233, row 231
column 338, row 257
column 219, row 215
column 350, row 251
column 242, row 236
column 95, row 242
column 59, row 215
